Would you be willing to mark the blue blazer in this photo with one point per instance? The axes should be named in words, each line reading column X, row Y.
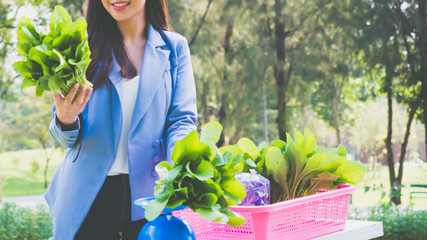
column 165, row 111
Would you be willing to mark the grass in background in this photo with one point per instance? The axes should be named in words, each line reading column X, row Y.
column 21, row 172
column 378, row 176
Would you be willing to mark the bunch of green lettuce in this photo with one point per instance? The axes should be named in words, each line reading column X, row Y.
column 299, row 167
column 201, row 177
column 53, row 62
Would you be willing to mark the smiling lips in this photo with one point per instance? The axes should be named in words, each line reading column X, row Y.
column 120, row 5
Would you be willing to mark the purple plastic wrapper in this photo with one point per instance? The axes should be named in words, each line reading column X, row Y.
column 257, row 188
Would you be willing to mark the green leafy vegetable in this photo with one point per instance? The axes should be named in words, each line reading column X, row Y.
column 249, row 147
column 299, row 167
column 53, row 62
column 201, row 177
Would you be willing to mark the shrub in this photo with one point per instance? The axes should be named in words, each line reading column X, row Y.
column 398, row 223
column 35, row 166
column 25, row 223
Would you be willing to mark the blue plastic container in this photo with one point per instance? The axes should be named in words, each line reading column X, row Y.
column 165, row 227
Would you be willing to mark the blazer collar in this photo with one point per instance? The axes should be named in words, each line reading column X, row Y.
column 154, row 38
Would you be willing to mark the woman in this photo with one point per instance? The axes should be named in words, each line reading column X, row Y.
column 143, row 101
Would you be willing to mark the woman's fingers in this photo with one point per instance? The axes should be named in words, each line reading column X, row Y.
column 57, row 97
column 86, row 98
column 80, row 97
column 70, row 96
column 68, row 108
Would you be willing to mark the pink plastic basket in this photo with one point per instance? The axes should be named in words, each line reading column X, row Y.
column 301, row 218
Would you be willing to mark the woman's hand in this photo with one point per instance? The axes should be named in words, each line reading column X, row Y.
column 67, row 109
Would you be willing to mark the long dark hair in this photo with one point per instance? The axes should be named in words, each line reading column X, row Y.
column 105, row 37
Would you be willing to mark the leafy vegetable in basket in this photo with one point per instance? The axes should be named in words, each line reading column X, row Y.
column 201, row 177
column 53, row 62
column 299, row 167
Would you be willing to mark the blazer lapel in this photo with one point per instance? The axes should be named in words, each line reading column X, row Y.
column 116, row 108
column 153, row 65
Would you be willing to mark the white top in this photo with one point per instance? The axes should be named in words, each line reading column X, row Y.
column 129, row 90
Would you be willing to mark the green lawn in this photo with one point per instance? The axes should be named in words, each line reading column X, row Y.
column 18, row 178
column 380, row 175
column 22, row 171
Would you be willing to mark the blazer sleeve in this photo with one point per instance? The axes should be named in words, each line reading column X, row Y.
column 65, row 139
column 182, row 116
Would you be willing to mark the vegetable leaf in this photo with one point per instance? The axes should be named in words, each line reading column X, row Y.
column 203, row 171
column 211, row 132
column 273, row 160
column 154, row 209
column 54, row 61
column 201, row 177
column 351, row 172
column 322, row 162
column 249, row 147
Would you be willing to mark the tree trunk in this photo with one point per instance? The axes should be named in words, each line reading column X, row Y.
column 265, row 116
column 335, row 110
column 47, row 157
column 204, row 102
column 423, row 52
column 45, row 173
column 281, row 110
column 424, row 102
column 222, row 115
column 279, row 70
column 390, row 162
column 405, row 144
column 226, row 47
column 389, row 71
column 202, row 21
